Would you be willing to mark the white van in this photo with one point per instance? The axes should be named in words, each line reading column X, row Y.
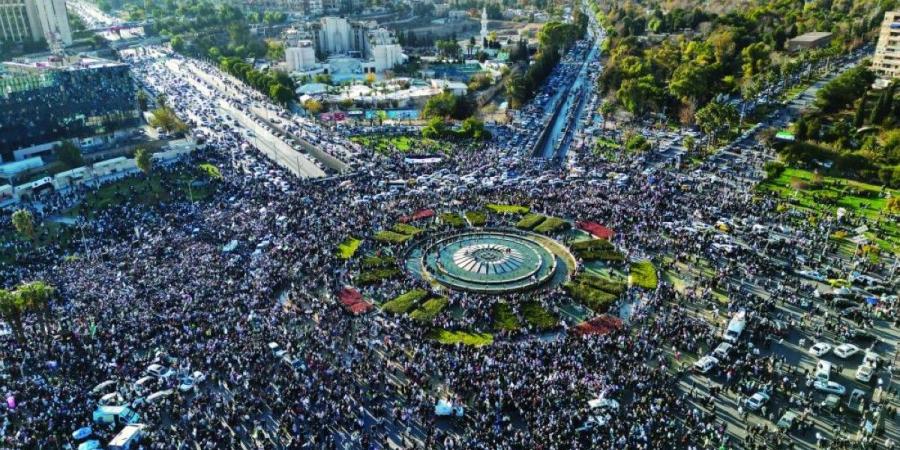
column 823, row 371
column 705, row 364
column 735, row 327
column 128, row 437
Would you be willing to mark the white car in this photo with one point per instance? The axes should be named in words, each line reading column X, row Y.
column 705, row 364
column 871, row 359
column 190, row 382
column 811, row 274
column 756, row 401
column 864, row 373
column 160, row 371
column 830, row 386
column 846, row 350
column 819, row 349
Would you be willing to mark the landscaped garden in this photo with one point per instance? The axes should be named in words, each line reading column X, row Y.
column 387, row 145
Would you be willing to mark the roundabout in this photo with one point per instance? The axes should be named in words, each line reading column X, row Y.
column 490, row 261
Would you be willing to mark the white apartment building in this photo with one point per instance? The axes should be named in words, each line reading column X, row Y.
column 22, row 20
column 886, row 62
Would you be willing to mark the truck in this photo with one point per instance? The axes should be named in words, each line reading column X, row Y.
column 735, row 327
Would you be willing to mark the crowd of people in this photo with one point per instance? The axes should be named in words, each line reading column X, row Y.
column 208, row 285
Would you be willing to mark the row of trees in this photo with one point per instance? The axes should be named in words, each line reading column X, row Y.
column 554, row 39
column 273, row 83
column 738, row 53
column 15, row 304
column 470, row 128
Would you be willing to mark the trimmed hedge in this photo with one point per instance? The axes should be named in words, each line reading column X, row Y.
column 596, row 250
column 643, row 274
column 391, row 237
column 591, row 244
column 597, row 300
column 505, row 318
column 373, row 261
column 538, row 317
column 376, row 275
column 598, row 282
column 552, row 225
column 429, row 310
column 508, row 209
column 348, row 248
column 530, row 221
column 404, row 302
column 452, row 219
column 476, row 218
column 450, row 337
column 409, row 230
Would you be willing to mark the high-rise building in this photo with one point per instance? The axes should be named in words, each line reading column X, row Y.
column 49, row 100
column 301, row 56
column 23, row 20
column 339, row 36
column 886, row 62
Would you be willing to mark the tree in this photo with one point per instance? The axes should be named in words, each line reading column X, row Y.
column 163, row 117
column 69, row 155
column 638, row 95
column 892, row 205
column 690, row 143
column 177, row 44
column 715, row 117
column 370, row 78
column 801, row 129
column 23, row 222
column 607, row 110
column 35, row 296
column 435, row 129
column 11, row 309
column 860, row 118
column 281, row 93
column 142, row 160
column 142, row 100
column 441, row 105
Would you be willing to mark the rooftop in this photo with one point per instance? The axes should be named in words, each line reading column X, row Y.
column 812, row 36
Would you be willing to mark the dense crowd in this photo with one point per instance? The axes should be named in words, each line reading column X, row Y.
column 161, row 282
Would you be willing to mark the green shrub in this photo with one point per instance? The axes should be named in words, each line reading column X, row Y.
column 602, row 283
column 552, row 225
column 450, row 337
column 504, row 318
column 596, row 250
column 391, row 237
column 773, row 169
column 404, row 302
column 211, row 171
column 348, row 248
column 452, row 219
column 591, row 244
column 538, row 317
column 476, row 218
column 408, row 230
column 643, row 274
column 429, row 310
column 508, row 209
column 376, row 275
column 530, row 221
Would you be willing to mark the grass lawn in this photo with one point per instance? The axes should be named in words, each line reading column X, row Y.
column 860, row 199
column 538, row 317
column 429, row 310
column 348, row 248
column 45, row 233
column 391, row 237
column 508, row 209
column 643, row 274
column 452, row 219
column 404, row 302
column 409, row 230
column 530, row 221
column 551, row 225
column 373, row 261
column 450, row 337
column 375, row 275
column 505, row 318
column 149, row 190
column 476, row 218
column 387, row 145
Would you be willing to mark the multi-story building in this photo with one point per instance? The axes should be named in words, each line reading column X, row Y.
column 886, row 62
column 23, row 20
column 300, row 56
column 44, row 101
column 339, row 36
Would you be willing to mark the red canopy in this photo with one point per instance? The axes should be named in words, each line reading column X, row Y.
column 353, row 301
column 418, row 215
column 597, row 230
column 602, row 325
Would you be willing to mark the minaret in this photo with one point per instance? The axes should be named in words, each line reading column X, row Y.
column 484, row 25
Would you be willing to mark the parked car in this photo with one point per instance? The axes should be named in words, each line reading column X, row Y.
column 820, row 348
column 756, row 401
column 846, row 350
column 160, row 371
column 705, row 364
column 788, row 420
column 830, row 387
column 864, row 373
